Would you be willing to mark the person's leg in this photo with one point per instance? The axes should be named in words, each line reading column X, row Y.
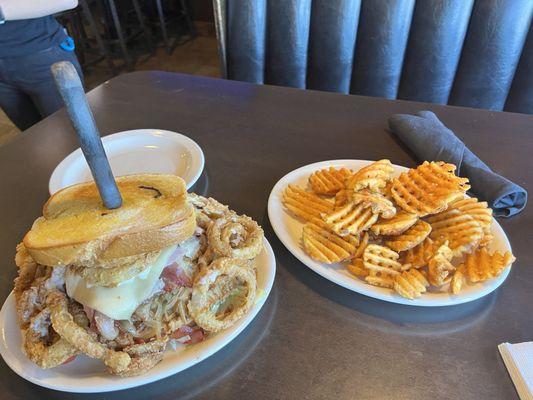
column 37, row 80
column 18, row 106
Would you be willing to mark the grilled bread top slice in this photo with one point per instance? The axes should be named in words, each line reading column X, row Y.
column 77, row 229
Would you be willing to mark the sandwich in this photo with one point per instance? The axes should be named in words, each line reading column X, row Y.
column 165, row 269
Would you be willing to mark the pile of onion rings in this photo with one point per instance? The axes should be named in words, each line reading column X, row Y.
column 40, row 342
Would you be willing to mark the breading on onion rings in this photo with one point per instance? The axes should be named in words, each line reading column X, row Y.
column 64, row 324
column 117, row 262
column 143, row 357
column 236, row 236
column 207, row 257
column 118, row 274
column 207, row 209
column 214, row 286
column 36, row 339
column 208, row 205
column 27, row 271
column 33, row 285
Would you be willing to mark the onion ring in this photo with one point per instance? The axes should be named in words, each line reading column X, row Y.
column 133, row 360
column 143, row 357
column 33, row 284
column 213, row 285
column 236, row 236
column 35, row 343
column 206, row 258
column 111, row 263
column 208, row 206
column 27, row 271
column 64, row 324
column 139, row 365
column 119, row 273
column 39, row 342
column 207, row 209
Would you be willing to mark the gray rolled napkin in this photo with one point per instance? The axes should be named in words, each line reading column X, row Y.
column 427, row 137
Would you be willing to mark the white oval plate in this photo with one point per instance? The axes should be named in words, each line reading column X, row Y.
column 85, row 375
column 289, row 231
column 133, row 152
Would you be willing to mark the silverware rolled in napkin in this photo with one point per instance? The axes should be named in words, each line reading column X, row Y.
column 429, row 139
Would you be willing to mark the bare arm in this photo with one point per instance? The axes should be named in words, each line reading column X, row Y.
column 26, row 9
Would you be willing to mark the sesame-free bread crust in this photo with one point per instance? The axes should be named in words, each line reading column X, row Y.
column 77, row 229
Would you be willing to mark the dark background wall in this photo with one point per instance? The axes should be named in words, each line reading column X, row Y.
column 202, row 10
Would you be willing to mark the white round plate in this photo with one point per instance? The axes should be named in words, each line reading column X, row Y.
column 133, row 152
column 85, row 375
column 289, row 231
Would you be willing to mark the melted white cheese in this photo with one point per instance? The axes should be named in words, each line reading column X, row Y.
column 121, row 301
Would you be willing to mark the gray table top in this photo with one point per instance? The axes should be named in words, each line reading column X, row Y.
column 313, row 339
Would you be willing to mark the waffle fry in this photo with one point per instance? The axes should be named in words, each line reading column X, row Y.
column 480, row 266
column 376, row 201
column 374, row 177
column 419, row 256
column 362, row 246
column 383, row 280
column 411, row 284
column 327, row 247
column 458, row 280
column 350, row 219
column 428, row 189
column 486, row 240
column 395, row 225
column 329, row 180
column 439, row 266
column 356, row 265
column 357, row 268
column 387, row 192
column 411, row 237
column 341, row 198
column 380, row 259
column 305, row 205
column 480, row 211
column 461, row 231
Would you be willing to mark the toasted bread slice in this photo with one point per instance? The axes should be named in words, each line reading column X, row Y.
column 77, row 229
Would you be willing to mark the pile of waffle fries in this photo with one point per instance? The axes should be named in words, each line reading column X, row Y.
column 412, row 233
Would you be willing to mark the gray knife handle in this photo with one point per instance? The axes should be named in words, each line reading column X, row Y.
column 69, row 85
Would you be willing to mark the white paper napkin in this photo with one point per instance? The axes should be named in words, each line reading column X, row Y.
column 518, row 359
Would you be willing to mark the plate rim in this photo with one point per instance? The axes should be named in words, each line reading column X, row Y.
column 142, row 380
column 372, row 291
column 197, row 154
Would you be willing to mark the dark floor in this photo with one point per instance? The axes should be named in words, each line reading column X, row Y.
column 197, row 57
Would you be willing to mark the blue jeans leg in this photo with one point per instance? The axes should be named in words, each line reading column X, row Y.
column 18, row 106
column 31, row 76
